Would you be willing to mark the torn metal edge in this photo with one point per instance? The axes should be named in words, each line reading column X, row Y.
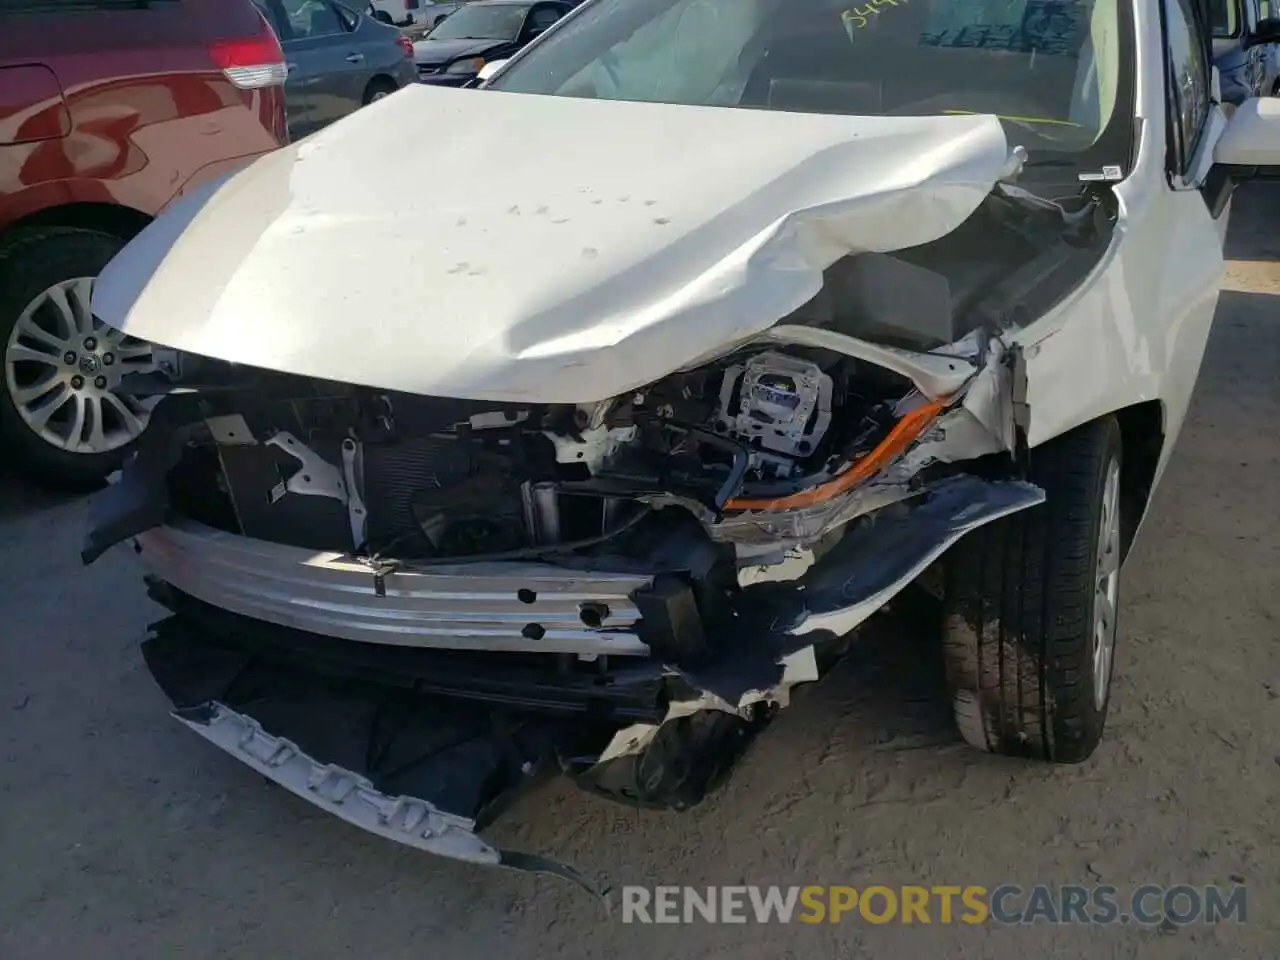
column 353, row 799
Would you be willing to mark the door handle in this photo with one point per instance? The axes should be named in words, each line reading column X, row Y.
column 354, row 57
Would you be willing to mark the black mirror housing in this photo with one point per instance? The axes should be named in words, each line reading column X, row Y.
column 1267, row 31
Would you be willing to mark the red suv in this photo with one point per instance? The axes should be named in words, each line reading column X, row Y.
column 109, row 109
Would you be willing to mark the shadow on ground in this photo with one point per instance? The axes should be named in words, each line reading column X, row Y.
column 1255, row 223
column 20, row 497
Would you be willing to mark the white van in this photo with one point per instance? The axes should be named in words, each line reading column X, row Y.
column 406, row 13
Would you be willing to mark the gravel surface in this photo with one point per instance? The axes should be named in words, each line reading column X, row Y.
column 122, row 835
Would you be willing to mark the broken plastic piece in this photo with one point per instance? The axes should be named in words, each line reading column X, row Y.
column 352, row 798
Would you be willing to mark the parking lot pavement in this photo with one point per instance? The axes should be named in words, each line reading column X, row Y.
column 122, row 835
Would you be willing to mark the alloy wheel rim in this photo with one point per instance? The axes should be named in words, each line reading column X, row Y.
column 62, row 366
column 1107, row 586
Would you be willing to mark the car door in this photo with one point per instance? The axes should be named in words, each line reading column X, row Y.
column 1191, row 223
column 327, row 71
column 370, row 51
column 296, row 104
column 376, row 47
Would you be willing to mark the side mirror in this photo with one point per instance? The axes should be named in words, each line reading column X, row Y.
column 1267, row 31
column 489, row 69
column 1250, row 145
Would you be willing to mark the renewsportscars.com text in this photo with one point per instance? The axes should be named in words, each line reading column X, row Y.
column 1148, row 905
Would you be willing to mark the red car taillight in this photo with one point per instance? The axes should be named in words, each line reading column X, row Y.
column 251, row 62
column 405, row 44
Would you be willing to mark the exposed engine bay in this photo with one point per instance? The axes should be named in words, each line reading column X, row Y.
column 623, row 590
column 333, row 466
column 330, row 467
column 424, row 480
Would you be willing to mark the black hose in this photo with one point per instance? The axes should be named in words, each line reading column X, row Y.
column 525, row 553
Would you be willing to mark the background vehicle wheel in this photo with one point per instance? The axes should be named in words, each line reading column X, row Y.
column 60, row 420
column 1031, row 606
column 378, row 88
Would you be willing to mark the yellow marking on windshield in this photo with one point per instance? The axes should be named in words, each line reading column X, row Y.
column 1004, row 116
column 855, row 19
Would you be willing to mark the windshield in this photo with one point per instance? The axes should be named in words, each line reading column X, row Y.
column 1053, row 70
column 473, row 22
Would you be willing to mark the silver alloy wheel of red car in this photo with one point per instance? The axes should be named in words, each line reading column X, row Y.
column 62, row 366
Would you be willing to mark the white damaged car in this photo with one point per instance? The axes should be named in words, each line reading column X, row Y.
column 734, row 319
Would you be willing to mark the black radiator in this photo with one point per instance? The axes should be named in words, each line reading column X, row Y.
column 395, row 472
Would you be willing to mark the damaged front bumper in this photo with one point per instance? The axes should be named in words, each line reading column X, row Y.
column 543, row 608
column 418, row 703
column 512, row 607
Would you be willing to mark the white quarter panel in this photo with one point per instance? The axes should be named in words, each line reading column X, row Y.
column 1136, row 329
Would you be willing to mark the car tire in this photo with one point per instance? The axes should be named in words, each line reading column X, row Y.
column 37, row 261
column 1030, row 604
column 378, row 88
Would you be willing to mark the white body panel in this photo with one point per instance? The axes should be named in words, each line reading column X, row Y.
column 1136, row 330
column 554, row 279
column 612, row 253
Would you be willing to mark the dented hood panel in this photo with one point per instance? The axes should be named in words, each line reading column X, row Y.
column 568, row 250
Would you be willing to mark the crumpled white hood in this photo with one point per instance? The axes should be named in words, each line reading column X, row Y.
column 498, row 246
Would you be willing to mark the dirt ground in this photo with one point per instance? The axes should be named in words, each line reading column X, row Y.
column 122, row 835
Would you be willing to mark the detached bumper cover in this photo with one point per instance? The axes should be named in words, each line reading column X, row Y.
column 346, row 795
column 352, row 798
column 366, row 734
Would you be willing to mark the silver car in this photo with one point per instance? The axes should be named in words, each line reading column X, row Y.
column 338, row 58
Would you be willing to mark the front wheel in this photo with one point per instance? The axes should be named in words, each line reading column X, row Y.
column 1031, row 606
